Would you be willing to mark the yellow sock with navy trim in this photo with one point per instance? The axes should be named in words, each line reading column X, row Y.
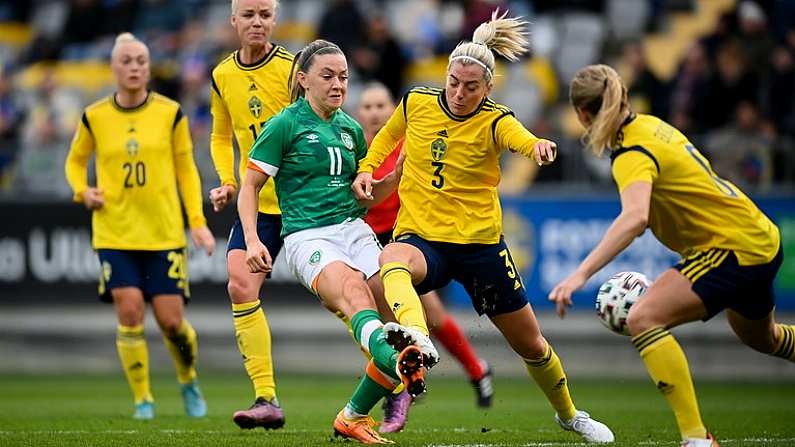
column 668, row 368
column 254, row 341
column 134, row 356
column 547, row 372
column 184, row 349
column 785, row 346
column 401, row 296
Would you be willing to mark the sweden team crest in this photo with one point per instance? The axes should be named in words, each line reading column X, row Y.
column 132, row 147
column 255, row 106
column 346, row 140
column 438, row 149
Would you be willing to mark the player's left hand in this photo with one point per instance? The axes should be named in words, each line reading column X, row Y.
column 203, row 238
column 561, row 293
column 544, row 152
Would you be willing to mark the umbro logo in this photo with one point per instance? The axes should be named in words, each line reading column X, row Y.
column 442, row 133
column 313, row 138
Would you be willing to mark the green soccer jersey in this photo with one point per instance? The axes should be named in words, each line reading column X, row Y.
column 313, row 163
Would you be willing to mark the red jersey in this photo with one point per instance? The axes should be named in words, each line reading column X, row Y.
column 381, row 217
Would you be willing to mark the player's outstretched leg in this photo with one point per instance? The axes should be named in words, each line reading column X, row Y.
column 523, row 333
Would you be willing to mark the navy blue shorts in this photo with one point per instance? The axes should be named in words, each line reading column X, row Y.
column 157, row 272
column 486, row 271
column 722, row 283
column 269, row 228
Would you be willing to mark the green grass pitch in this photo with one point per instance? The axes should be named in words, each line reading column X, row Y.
column 95, row 411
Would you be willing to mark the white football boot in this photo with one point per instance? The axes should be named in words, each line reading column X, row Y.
column 399, row 337
column 590, row 429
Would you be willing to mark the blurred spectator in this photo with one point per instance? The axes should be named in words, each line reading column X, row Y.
column 780, row 91
column 52, row 117
column 83, row 22
column 725, row 29
column 742, row 151
column 381, row 58
column 732, row 82
column 343, row 24
column 11, row 116
column 689, row 92
column 755, row 39
column 647, row 93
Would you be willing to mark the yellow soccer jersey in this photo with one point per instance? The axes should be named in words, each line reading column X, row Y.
column 243, row 98
column 692, row 209
column 142, row 155
column 448, row 191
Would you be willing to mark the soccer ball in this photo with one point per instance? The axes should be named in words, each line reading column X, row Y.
column 616, row 296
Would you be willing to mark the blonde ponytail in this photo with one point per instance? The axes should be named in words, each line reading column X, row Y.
column 598, row 90
column 506, row 36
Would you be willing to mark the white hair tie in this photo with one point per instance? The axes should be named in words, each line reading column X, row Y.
column 470, row 58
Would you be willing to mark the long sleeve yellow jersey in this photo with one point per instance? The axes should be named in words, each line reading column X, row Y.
column 144, row 162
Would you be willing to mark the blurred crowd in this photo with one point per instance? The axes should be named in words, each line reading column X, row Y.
column 729, row 84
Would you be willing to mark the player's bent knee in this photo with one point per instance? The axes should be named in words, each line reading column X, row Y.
column 531, row 347
column 170, row 325
column 241, row 291
column 130, row 316
column 639, row 321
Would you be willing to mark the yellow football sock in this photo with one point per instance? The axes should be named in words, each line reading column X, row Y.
column 785, row 347
column 184, row 348
column 401, row 296
column 547, row 372
column 134, row 356
column 667, row 366
column 254, row 341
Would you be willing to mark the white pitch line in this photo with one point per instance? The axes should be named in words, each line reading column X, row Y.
column 723, row 441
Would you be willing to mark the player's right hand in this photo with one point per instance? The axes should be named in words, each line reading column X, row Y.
column 363, row 186
column 258, row 258
column 93, row 198
column 561, row 293
column 221, row 196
